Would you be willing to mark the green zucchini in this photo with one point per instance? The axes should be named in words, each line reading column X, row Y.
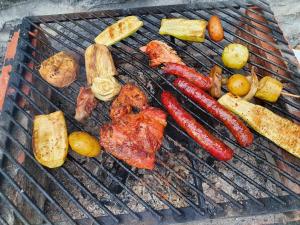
column 281, row 131
column 119, row 30
column 188, row 30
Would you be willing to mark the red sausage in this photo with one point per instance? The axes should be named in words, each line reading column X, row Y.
column 238, row 129
column 188, row 73
column 205, row 139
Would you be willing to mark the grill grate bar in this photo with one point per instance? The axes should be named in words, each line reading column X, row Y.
column 124, row 41
column 201, row 201
column 2, row 221
column 79, row 127
column 28, row 154
column 13, row 207
column 36, row 184
column 270, row 26
column 23, row 194
column 221, row 47
column 41, row 80
column 182, row 163
column 94, row 179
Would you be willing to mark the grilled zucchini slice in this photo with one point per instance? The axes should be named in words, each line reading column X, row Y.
column 50, row 139
column 281, row 131
column 119, row 30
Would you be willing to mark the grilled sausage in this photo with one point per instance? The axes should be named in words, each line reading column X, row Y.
column 189, row 74
column 205, row 139
column 238, row 129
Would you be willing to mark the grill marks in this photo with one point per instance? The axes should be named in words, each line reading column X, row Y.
column 137, row 77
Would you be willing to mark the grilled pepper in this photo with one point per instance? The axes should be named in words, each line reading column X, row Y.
column 281, row 131
column 50, row 139
column 269, row 89
column 98, row 62
column 188, row 30
column 119, row 30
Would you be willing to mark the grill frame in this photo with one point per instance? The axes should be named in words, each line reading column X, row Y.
column 19, row 67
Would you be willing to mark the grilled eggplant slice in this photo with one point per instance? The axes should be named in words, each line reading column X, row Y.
column 50, row 139
column 98, row 62
column 188, row 30
column 281, row 131
column 119, row 30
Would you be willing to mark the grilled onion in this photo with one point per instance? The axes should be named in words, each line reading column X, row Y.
column 105, row 88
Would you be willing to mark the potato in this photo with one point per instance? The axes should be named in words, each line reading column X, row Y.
column 238, row 85
column 215, row 29
column 50, row 139
column 60, row 70
column 84, row 144
column 235, row 56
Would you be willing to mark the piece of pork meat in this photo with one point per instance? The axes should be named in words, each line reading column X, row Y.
column 159, row 53
column 130, row 96
column 86, row 102
column 135, row 138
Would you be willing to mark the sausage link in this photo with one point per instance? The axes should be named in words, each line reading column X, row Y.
column 188, row 73
column 205, row 139
column 238, row 129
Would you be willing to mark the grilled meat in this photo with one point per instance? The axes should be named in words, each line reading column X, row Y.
column 86, row 102
column 130, row 96
column 159, row 53
column 134, row 138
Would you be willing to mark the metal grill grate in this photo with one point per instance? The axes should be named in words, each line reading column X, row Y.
column 186, row 183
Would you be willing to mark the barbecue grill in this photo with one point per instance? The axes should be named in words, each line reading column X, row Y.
column 186, row 184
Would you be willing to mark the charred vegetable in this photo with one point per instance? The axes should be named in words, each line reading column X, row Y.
column 119, row 30
column 184, row 29
column 269, row 89
column 84, row 144
column 215, row 29
column 50, row 139
column 216, row 78
column 254, row 84
column 98, row 62
column 235, row 56
column 281, row 131
column 60, row 70
column 105, row 88
column 238, row 85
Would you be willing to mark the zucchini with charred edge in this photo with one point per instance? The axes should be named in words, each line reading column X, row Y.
column 50, row 139
column 119, row 30
column 281, row 131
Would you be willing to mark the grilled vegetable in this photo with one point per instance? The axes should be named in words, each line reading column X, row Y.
column 269, row 89
column 254, row 84
column 60, row 70
column 84, row 144
column 216, row 78
column 98, row 62
column 119, row 30
column 235, row 56
column 184, row 29
column 215, row 29
column 281, row 131
column 50, row 139
column 105, row 88
column 238, row 85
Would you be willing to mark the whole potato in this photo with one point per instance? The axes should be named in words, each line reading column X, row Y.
column 238, row 85
column 84, row 144
column 215, row 29
column 235, row 56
